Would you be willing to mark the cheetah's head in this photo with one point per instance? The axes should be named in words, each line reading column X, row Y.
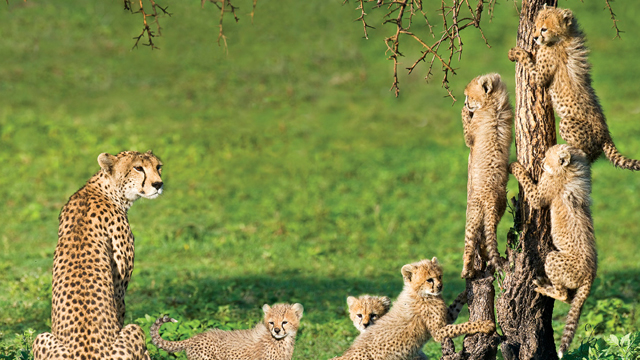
column 486, row 91
column 282, row 320
column 133, row 174
column 423, row 277
column 366, row 309
column 564, row 158
column 553, row 25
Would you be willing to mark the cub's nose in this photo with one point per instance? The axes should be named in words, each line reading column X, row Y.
column 365, row 324
column 277, row 330
column 157, row 185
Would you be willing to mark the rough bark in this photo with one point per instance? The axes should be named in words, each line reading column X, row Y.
column 524, row 315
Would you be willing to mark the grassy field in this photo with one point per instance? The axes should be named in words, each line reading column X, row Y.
column 292, row 173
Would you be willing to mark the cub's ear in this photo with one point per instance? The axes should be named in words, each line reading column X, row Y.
column 266, row 308
column 435, row 261
column 407, row 272
column 564, row 158
column 107, row 162
column 386, row 302
column 149, row 152
column 350, row 301
column 487, row 84
column 298, row 309
column 567, row 16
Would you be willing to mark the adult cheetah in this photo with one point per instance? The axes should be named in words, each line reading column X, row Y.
column 93, row 262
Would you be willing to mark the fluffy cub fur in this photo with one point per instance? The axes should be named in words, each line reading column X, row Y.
column 560, row 64
column 565, row 186
column 272, row 339
column 418, row 314
column 366, row 309
column 487, row 120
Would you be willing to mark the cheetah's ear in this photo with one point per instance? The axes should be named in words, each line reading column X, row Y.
column 107, row 162
column 435, row 261
column 407, row 272
column 266, row 308
column 386, row 302
column 564, row 158
column 298, row 309
column 567, row 16
column 487, row 84
column 350, row 301
column 149, row 152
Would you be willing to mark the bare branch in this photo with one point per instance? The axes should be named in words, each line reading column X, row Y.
column 613, row 18
column 146, row 29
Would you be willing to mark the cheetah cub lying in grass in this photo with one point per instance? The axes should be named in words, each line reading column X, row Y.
column 272, row 339
column 418, row 314
column 561, row 65
column 487, row 119
column 564, row 186
column 366, row 309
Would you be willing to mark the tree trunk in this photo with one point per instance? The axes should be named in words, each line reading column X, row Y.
column 524, row 315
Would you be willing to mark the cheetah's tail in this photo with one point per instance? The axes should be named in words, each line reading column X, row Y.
column 456, row 307
column 573, row 317
column 159, row 342
column 619, row 160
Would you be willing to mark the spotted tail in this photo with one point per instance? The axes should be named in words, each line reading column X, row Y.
column 160, row 343
column 619, row 160
column 574, row 317
column 456, row 306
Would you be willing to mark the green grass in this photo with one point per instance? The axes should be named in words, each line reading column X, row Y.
column 292, row 173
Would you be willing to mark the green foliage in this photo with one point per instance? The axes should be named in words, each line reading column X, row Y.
column 18, row 348
column 626, row 347
column 292, row 174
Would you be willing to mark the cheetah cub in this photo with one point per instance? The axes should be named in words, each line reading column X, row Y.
column 366, row 309
column 418, row 314
column 487, row 120
column 565, row 186
column 561, row 65
column 93, row 262
column 272, row 339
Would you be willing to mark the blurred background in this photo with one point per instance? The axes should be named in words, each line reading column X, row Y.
column 292, row 173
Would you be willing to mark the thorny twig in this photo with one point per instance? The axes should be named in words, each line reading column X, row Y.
column 613, row 18
column 146, row 29
column 456, row 16
column 226, row 6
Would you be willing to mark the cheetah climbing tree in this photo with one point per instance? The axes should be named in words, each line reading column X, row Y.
column 523, row 315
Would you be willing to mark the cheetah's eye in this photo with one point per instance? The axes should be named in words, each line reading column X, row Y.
column 543, row 30
column 284, row 323
column 360, row 316
column 159, row 168
column 373, row 316
column 138, row 168
column 430, row 281
column 271, row 323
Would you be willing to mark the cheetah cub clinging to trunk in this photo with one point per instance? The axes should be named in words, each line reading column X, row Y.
column 487, row 119
column 418, row 314
column 272, row 339
column 565, row 186
column 560, row 64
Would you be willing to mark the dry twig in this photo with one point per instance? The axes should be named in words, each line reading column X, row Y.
column 146, row 29
column 613, row 18
column 456, row 16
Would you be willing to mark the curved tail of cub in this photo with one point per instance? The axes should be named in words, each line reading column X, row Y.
column 619, row 160
column 574, row 316
column 160, row 343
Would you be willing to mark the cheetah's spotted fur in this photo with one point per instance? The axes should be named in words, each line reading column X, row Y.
column 272, row 339
column 565, row 186
column 93, row 262
column 561, row 65
column 418, row 314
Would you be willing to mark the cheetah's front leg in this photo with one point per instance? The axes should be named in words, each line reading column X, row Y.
column 131, row 342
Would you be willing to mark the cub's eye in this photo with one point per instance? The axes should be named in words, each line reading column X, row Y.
column 360, row 316
column 430, row 281
column 159, row 168
column 373, row 316
column 285, row 322
column 138, row 168
column 271, row 323
column 543, row 30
